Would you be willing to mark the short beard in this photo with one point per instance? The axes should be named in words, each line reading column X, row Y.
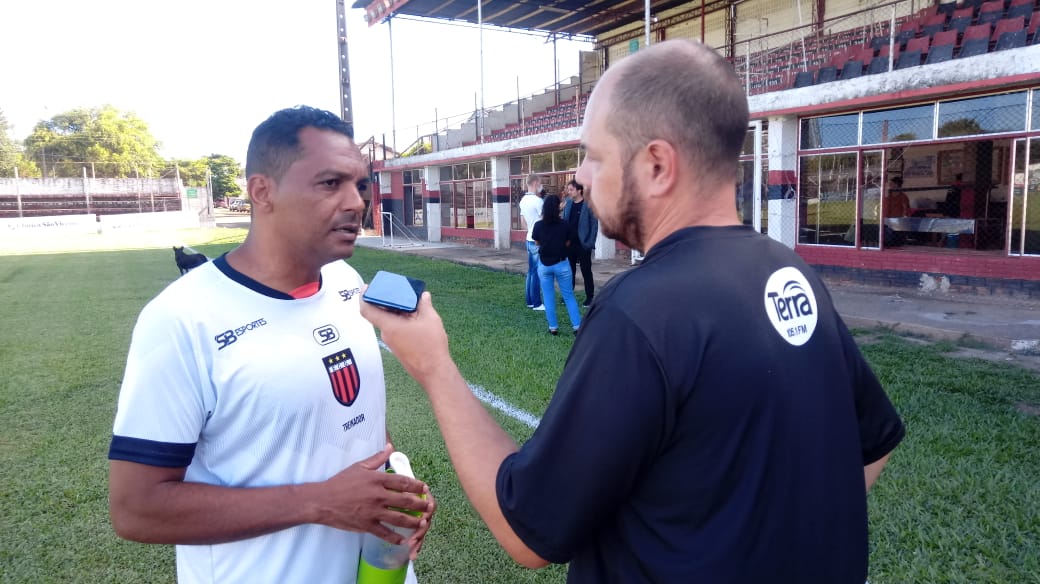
column 629, row 229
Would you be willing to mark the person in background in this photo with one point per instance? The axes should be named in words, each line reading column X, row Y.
column 583, row 222
column 896, row 204
column 554, row 238
column 531, row 212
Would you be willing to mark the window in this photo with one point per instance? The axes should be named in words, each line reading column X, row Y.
column 466, row 196
column 899, row 124
column 990, row 114
column 414, row 210
column 830, row 131
column 827, row 199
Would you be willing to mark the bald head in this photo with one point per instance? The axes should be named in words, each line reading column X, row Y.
column 684, row 93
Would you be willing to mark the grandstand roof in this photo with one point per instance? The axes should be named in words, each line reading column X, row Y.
column 568, row 17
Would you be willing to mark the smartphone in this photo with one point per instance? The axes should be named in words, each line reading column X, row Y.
column 394, row 291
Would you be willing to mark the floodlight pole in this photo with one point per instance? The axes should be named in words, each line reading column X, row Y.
column 393, row 106
column 646, row 20
column 345, row 102
column 480, row 27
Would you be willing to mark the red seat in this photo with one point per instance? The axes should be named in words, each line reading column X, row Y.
column 962, row 12
column 1034, row 22
column 946, row 37
column 977, row 31
column 1008, row 25
column 920, row 44
column 990, row 8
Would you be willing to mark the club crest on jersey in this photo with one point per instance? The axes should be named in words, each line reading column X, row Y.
column 343, row 373
column 791, row 305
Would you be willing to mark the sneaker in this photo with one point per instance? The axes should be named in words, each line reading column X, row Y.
column 587, row 303
column 530, row 305
column 539, row 308
column 554, row 332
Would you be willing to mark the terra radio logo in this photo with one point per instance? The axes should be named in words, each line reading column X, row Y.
column 791, row 305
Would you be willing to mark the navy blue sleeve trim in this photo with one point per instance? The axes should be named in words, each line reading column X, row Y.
column 151, row 452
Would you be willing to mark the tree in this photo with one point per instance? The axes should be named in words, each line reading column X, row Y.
column 118, row 144
column 960, row 127
column 193, row 172
column 224, row 171
column 9, row 153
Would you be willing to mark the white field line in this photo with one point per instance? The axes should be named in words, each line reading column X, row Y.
column 494, row 401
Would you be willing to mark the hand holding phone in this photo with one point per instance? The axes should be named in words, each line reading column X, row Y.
column 394, row 291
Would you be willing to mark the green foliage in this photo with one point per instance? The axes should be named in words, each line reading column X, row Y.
column 118, row 144
column 193, row 172
column 223, row 172
column 957, row 503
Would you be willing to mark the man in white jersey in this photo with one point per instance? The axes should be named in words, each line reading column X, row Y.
column 531, row 211
column 251, row 432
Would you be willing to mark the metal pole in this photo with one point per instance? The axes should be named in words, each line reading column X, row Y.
column 393, row 107
column 646, row 20
column 480, row 26
column 86, row 190
column 892, row 40
column 704, row 17
column 556, row 73
column 18, row 192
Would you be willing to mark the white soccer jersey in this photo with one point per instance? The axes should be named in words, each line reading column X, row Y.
column 249, row 388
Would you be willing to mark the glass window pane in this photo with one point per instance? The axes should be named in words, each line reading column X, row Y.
column 446, row 173
column 1036, row 110
column 983, row 115
column 541, row 162
column 748, row 149
column 565, row 160
column 516, row 166
column 827, row 199
column 831, row 131
column 898, row 125
column 446, row 212
column 461, row 171
column 477, row 170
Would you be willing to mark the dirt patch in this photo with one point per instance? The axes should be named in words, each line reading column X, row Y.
column 1026, row 361
column 1028, row 409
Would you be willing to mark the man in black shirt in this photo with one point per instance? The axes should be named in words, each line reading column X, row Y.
column 584, row 224
column 715, row 421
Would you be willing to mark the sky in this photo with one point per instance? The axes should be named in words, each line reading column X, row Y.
column 204, row 73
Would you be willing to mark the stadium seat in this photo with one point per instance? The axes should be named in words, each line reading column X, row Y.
column 920, row 44
column 1011, row 40
column 852, row 69
column 1015, row 3
column 959, row 24
column 1034, row 24
column 878, row 64
column 933, row 24
column 973, row 47
column 803, row 79
column 991, row 12
column 1008, row 25
column 879, row 41
column 947, row 8
column 939, row 53
column 904, row 36
column 908, row 59
column 1023, row 10
column 977, row 31
column 946, row 37
column 973, row 4
column 827, row 74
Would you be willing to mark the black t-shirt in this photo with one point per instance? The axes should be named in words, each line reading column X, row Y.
column 552, row 241
column 711, row 425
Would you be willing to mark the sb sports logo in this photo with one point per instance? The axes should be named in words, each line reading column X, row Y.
column 791, row 305
column 348, row 294
column 231, row 335
column 325, row 334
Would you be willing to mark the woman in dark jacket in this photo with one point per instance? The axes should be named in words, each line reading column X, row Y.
column 554, row 237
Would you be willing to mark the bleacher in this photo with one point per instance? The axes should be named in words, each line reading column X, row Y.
column 566, row 114
column 101, row 204
column 938, row 33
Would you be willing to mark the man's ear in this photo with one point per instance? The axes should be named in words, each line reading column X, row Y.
column 260, row 188
column 661, row 162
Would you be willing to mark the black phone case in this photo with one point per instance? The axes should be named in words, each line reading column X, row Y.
column 394, row 291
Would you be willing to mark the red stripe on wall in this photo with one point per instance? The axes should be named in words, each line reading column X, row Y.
column 781, row 177
column 967, row 264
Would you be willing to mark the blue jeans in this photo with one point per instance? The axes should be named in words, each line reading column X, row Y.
column 533, row 292
column 560, row 273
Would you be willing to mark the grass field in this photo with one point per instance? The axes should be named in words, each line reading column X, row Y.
column 958, row 503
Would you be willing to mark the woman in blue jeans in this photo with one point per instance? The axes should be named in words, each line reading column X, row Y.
column 553, row 237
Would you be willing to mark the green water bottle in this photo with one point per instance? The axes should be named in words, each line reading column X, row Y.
column 381, row 561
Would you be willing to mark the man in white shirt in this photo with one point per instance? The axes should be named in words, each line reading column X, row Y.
column 252, row 432
column 531, row 212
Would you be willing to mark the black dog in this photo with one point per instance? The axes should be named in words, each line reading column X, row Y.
column 187, row 261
